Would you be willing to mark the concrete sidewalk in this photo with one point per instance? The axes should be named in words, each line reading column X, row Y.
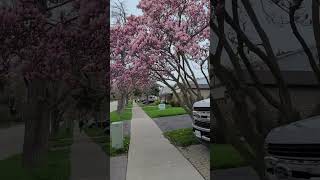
column 88, row 161
column 151, row 156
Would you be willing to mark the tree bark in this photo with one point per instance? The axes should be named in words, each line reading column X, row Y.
column 36, row 116
column 55, row 120
column 316, row 24
column 121, row 102
column 303, row 43
column 127, row 99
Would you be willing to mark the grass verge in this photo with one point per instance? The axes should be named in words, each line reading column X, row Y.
column 182, row 137
column 154, row 112
column 224, row 156
column 57, row 167
column 125, row 115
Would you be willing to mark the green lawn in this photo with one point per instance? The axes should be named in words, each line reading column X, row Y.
column 154, row 112
column 181, row 137
column 56, row 168
column 224, row 156
column 125, row 115
column 103, row 140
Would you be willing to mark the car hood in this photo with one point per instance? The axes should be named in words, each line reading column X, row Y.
column 306, row 131
column 202, row 103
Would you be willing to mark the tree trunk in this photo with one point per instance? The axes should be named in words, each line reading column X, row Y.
column 218, row 126
column 127, row 99
column 55, row 120
column 259, row 164
column 121, row 102
column 37, row 123
column 316, row 25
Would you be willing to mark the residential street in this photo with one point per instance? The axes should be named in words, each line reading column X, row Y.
column 11, row 141
column 152, row 156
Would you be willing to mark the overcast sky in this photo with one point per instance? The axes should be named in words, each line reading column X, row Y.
column 131, row 6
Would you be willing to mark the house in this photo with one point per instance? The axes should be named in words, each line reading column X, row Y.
column 167, row 95
column 297, row 73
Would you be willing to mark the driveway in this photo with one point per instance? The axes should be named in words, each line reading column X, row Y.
column 173, row 122
column 199, row 157
column 11, row 141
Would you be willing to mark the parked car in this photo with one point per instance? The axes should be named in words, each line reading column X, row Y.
column 201, row 120
column 152, row 98
column 293, row 151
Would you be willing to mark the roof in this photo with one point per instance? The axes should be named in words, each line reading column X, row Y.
column 165, row 90
column 202, row 82
column 296, row 60
column 294, row 66
column 292, row 78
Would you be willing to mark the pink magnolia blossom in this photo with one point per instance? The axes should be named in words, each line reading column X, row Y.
column 167, row 30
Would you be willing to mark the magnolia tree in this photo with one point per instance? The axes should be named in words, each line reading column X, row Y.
column 168, row 41
column 127, row 72
column 60, row 50
column 253, row 111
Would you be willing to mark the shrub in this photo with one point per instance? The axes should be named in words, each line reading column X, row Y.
column 157, row 102
column 174, row 103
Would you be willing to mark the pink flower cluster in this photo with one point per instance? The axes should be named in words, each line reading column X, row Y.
column 166, row 30
column 55, row 51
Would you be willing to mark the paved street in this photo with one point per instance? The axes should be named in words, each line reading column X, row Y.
column 152, row 156
column 11, row 141
column 173, row 122
column 88, row 161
